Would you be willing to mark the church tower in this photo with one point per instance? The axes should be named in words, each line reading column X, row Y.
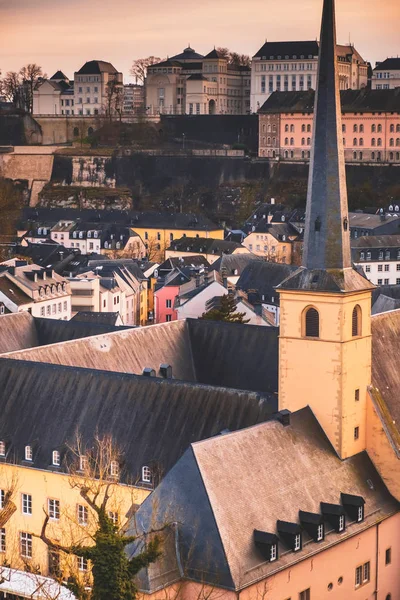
column 325, row 323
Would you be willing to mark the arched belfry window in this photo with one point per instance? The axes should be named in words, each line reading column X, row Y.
column 311, row 323
column 356, row 321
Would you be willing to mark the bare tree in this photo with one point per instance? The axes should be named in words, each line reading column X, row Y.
column 95, row 473
column 140, row 66
column 114, row 99
column 30, row 75
column 11, row 85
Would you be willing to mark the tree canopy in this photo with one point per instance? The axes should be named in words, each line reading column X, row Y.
column 225, row 311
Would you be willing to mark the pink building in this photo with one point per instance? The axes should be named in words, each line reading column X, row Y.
column 164, row 301
column 370, row 126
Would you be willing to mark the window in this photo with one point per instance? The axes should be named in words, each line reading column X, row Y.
column 3, row 446
column 341, row 523
column 2, row 498
column 54, row 509
column 82, row 563
column 168, row 303
column 25, row 542
column 360, row 514
column 297, row 542
column 56, row 458
column 28, row 453
column 368, row 269
column 386, row 281
column 388, row 556
column 320, row 533
column 356, row 433
column 380, row 281
column 2, row 539
column 82, row 514
column 356, row 321
column 54, row 563
column 114, row 468
column 312, row 323
column 387, row 268
column 113, row 516
column 273, row 553
column 305, row 595
column 357, row 395
column 146, row 475
column 83, row 463
column 26, row 504
column 168, row 318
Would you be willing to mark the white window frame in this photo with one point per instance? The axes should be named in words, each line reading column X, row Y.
column 2, row 498
column 273, row 553
column 320, row 533
column 360, row 514
column 83, row 514
column 114, row 468
column 55, row 458
column 25, row 541
column 2, row 448
column 297, row 542
column 53, row 507
column 83, row 462
column 82, row 563
column 3, row 544
column 146, row 474
column 26, row 504
column 113, row 516
column 28, row 453
column 341, row 522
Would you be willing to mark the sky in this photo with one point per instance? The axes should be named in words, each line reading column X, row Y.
column 64, row 34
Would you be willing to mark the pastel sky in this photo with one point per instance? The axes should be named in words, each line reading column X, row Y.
column 63, row 34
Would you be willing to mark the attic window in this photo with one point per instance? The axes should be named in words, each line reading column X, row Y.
column 28, row 453
column 341, row 523
column 267, row 544
column 290, row 534
column 320, row 532
column 354, row 506
column 2, row 448
column 146, row 474
column 273, row 553
column 56, row 458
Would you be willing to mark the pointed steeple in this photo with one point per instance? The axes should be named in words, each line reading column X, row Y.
column 327, row 264
column 327, row 236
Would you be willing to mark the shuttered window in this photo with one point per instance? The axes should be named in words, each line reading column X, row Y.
column 312, row 323
column 356, row 321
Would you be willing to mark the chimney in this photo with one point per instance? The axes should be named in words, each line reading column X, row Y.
column 284, row 417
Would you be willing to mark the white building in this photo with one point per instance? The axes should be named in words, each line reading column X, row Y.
column 292, row 66
column 42, row 292
column 379, row 256
column 54, row 96
column 386, row 75
column 93, row 84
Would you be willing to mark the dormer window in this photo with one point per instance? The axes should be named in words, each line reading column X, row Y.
column 28, row 453
column 2, row 448
column 146, row 475
column 83, row 463
column 290, row 534
column 95, row 234
column 335, row 515
column 89, row 234
column 55, row 458
column 341, row 523
column 313, row 523
column 80, row 234
column 267, row 544
column 74, row 234
column 297, row 542
column 320, row 533
column 354, row 506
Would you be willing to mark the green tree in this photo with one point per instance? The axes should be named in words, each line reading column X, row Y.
column 226, row 311
column 112, row 571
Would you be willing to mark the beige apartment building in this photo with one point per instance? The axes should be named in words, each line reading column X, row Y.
column 292, row 66
column 93, row 85
column 386, row 75
column 54, row 96
column 192, row 84
column 370, row 126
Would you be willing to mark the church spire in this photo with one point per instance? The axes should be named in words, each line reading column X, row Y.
column 327, row 237
column 327, row 264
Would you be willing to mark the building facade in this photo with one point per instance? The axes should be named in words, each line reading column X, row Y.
column 292, row 66
column 379, row 256
column 386, row 75
column 370, row 126
column 98, row 89
column 54, row 96
column 134, row 99
column 192, row 84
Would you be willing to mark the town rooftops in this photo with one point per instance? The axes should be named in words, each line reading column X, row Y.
column 296, row 470
column 364, row 100
column 260, row 278
column 288, row 50
column 376, row 241
column 108, row 318
column 95, row 67
column 390, row 64
column 13, row 292
column 204, row 246
column 371, row 222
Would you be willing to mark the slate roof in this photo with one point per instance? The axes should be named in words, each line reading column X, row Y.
column 376, row 241
column 234, row 264
column 103, row 318
column 154, row 420
column 199, row 351
column 263, row 277
column 385, row 304
column 197, row 77
column 187, row 54
column 13, row 292
column 59, row 75
column 214, row 54
column 204, row 245
column 217, row 508
column 351, row 101
column 327, row 280
column 271, row 50
column 94, row 67
column 373, row 222
column 390, row 64
column 17, row 331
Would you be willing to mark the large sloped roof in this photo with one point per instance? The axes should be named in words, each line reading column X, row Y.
column 226, row 487
column 95, row 67
column 153, row 420
column 199, row 351
column 390, row 64
column 263, row 277
column 187, row 54
column 273, row 50
column 17, row 331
